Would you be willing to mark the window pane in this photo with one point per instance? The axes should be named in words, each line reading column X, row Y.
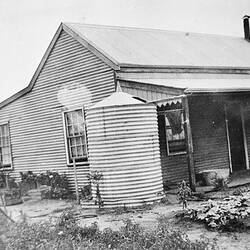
column 74, row 152
column 70, row 130
column 72, row 141
column 80, row 116
column 167, row 122
column 78, row 141
column 79, row 151
column 69, row 119
column 6, row 159
column 175, row 131
column 5, row 154
column 74, row 117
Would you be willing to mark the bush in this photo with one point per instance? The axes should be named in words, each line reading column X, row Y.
column 67, row 234
column 6, row 178
column 58, row 183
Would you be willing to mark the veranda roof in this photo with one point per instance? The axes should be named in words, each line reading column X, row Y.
column 200, row 85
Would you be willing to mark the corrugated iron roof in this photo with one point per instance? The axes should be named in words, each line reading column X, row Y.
column 199, row 85
column 135, row 46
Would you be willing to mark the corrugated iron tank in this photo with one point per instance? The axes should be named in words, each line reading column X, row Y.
column 123, row 145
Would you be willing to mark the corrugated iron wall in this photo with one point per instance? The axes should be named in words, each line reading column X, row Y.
column 124, row 146
column 209, row 133
column 72, row 78
column 174, row 167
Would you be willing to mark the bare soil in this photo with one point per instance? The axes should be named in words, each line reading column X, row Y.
column 40, row 210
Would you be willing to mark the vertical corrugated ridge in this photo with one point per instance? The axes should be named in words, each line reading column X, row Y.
column 125, row 149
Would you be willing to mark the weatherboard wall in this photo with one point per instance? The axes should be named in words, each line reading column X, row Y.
column 71, row 78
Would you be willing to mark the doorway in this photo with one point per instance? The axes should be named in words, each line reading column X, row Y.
column 236, row 137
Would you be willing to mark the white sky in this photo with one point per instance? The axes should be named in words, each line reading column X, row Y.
column 28, row 26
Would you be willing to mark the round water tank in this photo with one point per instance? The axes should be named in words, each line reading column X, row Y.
column 123, row 145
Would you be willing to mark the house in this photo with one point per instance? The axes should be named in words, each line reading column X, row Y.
column 199, row 84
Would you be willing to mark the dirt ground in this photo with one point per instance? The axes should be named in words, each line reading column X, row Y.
column 40, row 210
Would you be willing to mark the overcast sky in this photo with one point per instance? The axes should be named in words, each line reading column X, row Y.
column 27, row 26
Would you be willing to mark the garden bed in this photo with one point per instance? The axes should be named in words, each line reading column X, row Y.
column 46, row 210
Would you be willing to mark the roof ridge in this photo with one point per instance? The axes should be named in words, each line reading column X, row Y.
column 148, row 29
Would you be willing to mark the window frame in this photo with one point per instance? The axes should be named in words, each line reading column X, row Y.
column 84, row 161
column 165, row 128
column 10, row 165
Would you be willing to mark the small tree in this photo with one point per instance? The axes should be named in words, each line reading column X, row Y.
column 95, row 178
column 184, row 192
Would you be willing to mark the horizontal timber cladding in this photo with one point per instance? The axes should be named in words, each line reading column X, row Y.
column 207, row 118
column 148, row 92
column 124, row 145
column 174, row 167
column 72, row 77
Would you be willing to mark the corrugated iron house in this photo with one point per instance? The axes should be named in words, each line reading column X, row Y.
column 199, row 83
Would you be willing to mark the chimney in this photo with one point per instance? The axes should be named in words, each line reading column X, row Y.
column 246, row 27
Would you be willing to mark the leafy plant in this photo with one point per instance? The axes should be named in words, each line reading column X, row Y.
column 183, row 193
column 59, row 185
column 221, row 183
column 94, row 178
column 226, row 215
column 86, row 192
column 6, row 179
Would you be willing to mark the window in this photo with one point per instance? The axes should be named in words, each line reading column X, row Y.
column 5, row 152
column 76, row 135
column 175, row 135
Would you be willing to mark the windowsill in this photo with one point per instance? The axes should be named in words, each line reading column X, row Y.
column 177, row 153
column 6, row 167
column 78, row 164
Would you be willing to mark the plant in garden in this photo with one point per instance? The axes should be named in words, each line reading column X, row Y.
column 183, row 193
column 58, row 183
column 226, row 215
column 95, row 177
column 86, row 192
column 221, row 183
column 29, row 178
column 7, row 180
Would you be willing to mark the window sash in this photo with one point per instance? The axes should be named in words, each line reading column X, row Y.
column 75, row 127
column 5, row 151
column 176, row 144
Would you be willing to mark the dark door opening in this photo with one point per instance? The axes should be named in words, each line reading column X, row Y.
column 236, row 139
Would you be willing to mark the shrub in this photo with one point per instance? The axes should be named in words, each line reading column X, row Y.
column 58, row 183
column 183, row 193
column 221, row 183
column 6, row 178
column 86, row 192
